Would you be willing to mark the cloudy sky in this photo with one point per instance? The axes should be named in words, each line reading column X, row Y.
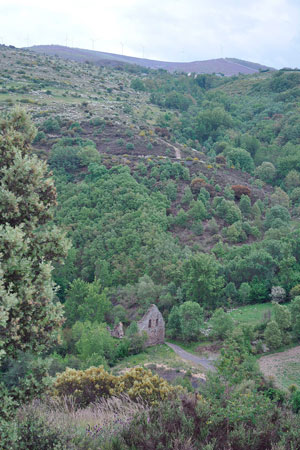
column 264, row 31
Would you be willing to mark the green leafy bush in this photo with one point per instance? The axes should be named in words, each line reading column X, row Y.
column 222, row 324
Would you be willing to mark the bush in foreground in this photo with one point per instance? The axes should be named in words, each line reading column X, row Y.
column 95, row 383
column 238, row 418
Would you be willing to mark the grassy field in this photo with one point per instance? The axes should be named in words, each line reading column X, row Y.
column 251, row 314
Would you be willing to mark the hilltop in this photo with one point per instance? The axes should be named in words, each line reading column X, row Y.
column 224, row 66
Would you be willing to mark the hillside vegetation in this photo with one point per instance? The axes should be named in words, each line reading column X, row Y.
column 159, row 175
column 177, row 190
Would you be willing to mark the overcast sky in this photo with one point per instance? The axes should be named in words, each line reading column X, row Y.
column 264, row 31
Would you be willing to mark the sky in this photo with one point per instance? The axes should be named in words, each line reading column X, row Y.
column 263, row 31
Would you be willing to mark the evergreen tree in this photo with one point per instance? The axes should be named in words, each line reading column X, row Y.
column 28, row 244
column 245, row 205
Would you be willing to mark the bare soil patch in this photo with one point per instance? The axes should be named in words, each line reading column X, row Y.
column 283, row 367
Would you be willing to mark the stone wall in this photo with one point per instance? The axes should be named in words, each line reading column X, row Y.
column 154, row 325
column 118, row 331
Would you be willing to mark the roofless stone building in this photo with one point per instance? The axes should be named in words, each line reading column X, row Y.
column 152, row 323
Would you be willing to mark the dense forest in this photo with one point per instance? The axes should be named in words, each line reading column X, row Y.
column 179, row 190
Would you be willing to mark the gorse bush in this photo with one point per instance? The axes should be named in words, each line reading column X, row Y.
column 94, row 383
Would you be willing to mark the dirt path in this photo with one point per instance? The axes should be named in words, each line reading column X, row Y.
column 206, row 363
column 176, row 149
column 177, row 152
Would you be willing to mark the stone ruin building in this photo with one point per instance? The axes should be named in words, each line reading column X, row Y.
column 152, row 323
column 117, row 331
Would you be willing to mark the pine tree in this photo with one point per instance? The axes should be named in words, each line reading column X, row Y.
column 28, row 243
column 245, row 205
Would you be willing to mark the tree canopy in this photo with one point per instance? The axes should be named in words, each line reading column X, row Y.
column 28, row 243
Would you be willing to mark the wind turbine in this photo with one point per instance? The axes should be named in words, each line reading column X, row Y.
column 93, row 42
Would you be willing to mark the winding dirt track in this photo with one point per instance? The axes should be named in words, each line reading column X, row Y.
column 206, row 363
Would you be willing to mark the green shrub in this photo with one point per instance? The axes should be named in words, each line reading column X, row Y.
column 30, row 431
column 295, row 312
column 51, row 125
column 25, row 376
column 276, row 217
column 295, row 401
column 197, row 210
column 295, row 291
column 273, row 335
column 222, row 324
column 40, row 136
column 187, row 196
column 120, row 142
column 227, row 210
column 137, row 84
column 266, row 172
column 240, row 159
column 245, row 205
column 197, row 228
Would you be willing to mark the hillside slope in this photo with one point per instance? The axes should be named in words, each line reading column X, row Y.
column 225, row 66
column 155, row 170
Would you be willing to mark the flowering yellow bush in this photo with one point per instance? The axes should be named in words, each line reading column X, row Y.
column 87, row 385
column 141, row 383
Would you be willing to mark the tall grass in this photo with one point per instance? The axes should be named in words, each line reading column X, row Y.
column 96, row 423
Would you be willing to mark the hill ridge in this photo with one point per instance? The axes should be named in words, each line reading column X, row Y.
column 224, row 66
